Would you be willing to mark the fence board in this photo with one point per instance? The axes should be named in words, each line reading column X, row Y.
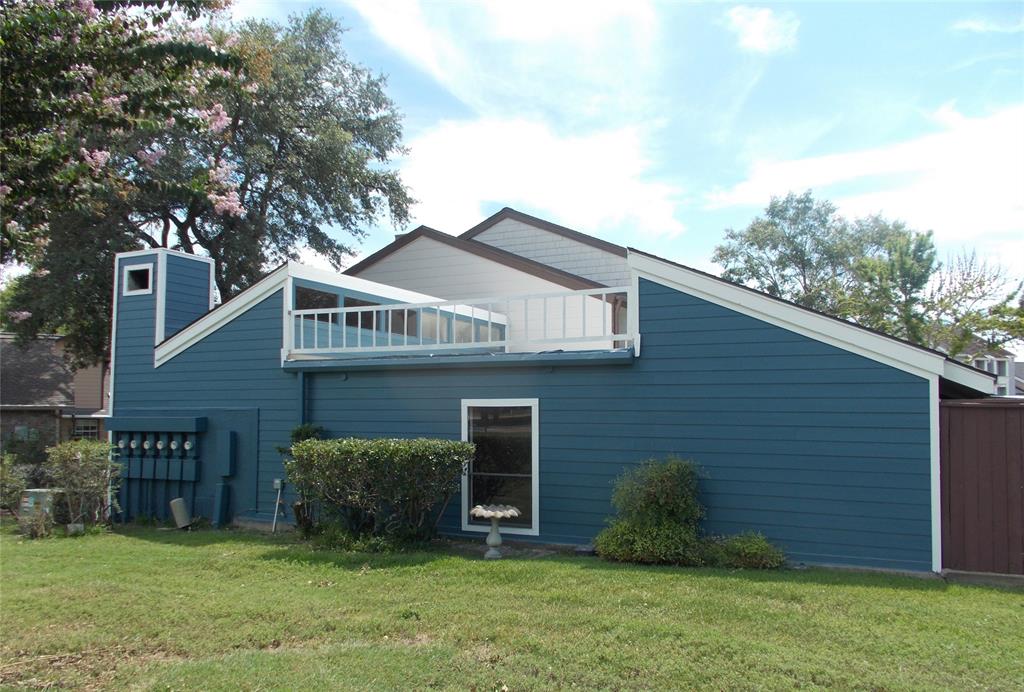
column 982, row 485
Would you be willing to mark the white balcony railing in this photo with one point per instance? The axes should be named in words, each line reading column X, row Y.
column 576, row 320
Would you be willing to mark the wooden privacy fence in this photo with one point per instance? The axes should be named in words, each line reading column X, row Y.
column 982, row 474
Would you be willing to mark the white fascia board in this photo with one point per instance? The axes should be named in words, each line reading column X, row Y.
column 968, row 376
column 212, row 321
column 848, row 337
column 353, row 283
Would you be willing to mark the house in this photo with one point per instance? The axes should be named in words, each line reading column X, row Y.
column 573, row 357
column 42, row 398
column 1000, row 363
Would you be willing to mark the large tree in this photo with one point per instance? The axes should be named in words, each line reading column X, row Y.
column 875, row 272
column 262, row 163
column 74, row 75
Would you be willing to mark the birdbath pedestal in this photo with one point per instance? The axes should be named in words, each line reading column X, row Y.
column 495, row 513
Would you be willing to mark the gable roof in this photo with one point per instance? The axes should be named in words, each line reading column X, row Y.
column 528, row 266
column 509, row 213
column 820, row 326
column 35, row 374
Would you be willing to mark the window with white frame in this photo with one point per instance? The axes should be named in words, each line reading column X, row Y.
column 86, row 429
column 137, row 280
column 504, row 469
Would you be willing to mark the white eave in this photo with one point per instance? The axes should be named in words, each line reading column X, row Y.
column 849, row 337
column 276, row 280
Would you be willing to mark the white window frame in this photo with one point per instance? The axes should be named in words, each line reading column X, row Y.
column 136, row 267
column 534, row 405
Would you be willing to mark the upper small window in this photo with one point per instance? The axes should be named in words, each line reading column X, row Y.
column 312, row 299
column 138, row 280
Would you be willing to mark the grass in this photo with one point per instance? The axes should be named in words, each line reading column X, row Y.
column 151, row 609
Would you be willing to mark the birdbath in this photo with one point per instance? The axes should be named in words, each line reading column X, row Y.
column 495, row 513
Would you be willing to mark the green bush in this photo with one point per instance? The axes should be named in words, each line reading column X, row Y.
column 658, row 523
column 302, row 509
column 748, row 550
column 28, row 455
column 12, row 482
column 663, row 543
column 83, row 469
column 659, row 492
column 393, row 487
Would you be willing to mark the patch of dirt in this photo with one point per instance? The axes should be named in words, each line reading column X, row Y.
column 97, row 666
column 509, row 549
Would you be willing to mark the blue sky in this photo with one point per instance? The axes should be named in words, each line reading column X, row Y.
column 659, row 125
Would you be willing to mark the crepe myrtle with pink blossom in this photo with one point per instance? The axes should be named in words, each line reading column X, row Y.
column 279, row 142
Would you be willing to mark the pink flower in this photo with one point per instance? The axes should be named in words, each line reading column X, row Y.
column 96, row 159
column 222, row 173
column 226, row 204
column 216, row 118
column 151, row 157
column 170, row 122
column 41, row 273
column 4, row 191
column 18, row 315
column 87, row 8
column 115, row 103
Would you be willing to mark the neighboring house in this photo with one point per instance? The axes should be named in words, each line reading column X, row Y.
column 41, row 397
column 582, row 358
column 1000, row 363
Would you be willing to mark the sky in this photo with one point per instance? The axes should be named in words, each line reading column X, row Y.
column 660, row 125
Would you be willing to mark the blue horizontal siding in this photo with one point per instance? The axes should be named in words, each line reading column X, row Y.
column 188, row 292
column 824, row 451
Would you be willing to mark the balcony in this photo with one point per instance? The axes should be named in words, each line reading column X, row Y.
column 572, row 321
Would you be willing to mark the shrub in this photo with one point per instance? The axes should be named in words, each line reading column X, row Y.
column 749, row 550
column 35, row 524
column 658, row 522
column 87, row 476
column 28, row 454
column 662, row 543
column 12, row 482
column 659, row 492
column 393, row 487
column 302, row 509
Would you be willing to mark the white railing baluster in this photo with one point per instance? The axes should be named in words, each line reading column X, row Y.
column 604, row 314
column 437, row 325
column 405, row 325
column 565, row 318
column 490, row 331
column 544, row 316
column 583, row 304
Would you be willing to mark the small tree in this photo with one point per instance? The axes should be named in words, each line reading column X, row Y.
column 87, row 476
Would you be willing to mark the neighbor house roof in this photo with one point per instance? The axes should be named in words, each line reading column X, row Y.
column 528, row 266
column 34, row 375
column 509, row 213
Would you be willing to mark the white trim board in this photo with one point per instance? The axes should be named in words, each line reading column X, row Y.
column 148, row 266
column 849, row 337
column 934, row 472
column 534, row 405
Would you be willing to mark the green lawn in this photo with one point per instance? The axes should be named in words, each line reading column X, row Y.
column 145, row 608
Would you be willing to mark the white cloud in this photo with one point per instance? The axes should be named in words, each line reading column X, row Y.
column 577, row 60
column 762, row 30
column 963, row 182
column 984, row 26
column 589, row 181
